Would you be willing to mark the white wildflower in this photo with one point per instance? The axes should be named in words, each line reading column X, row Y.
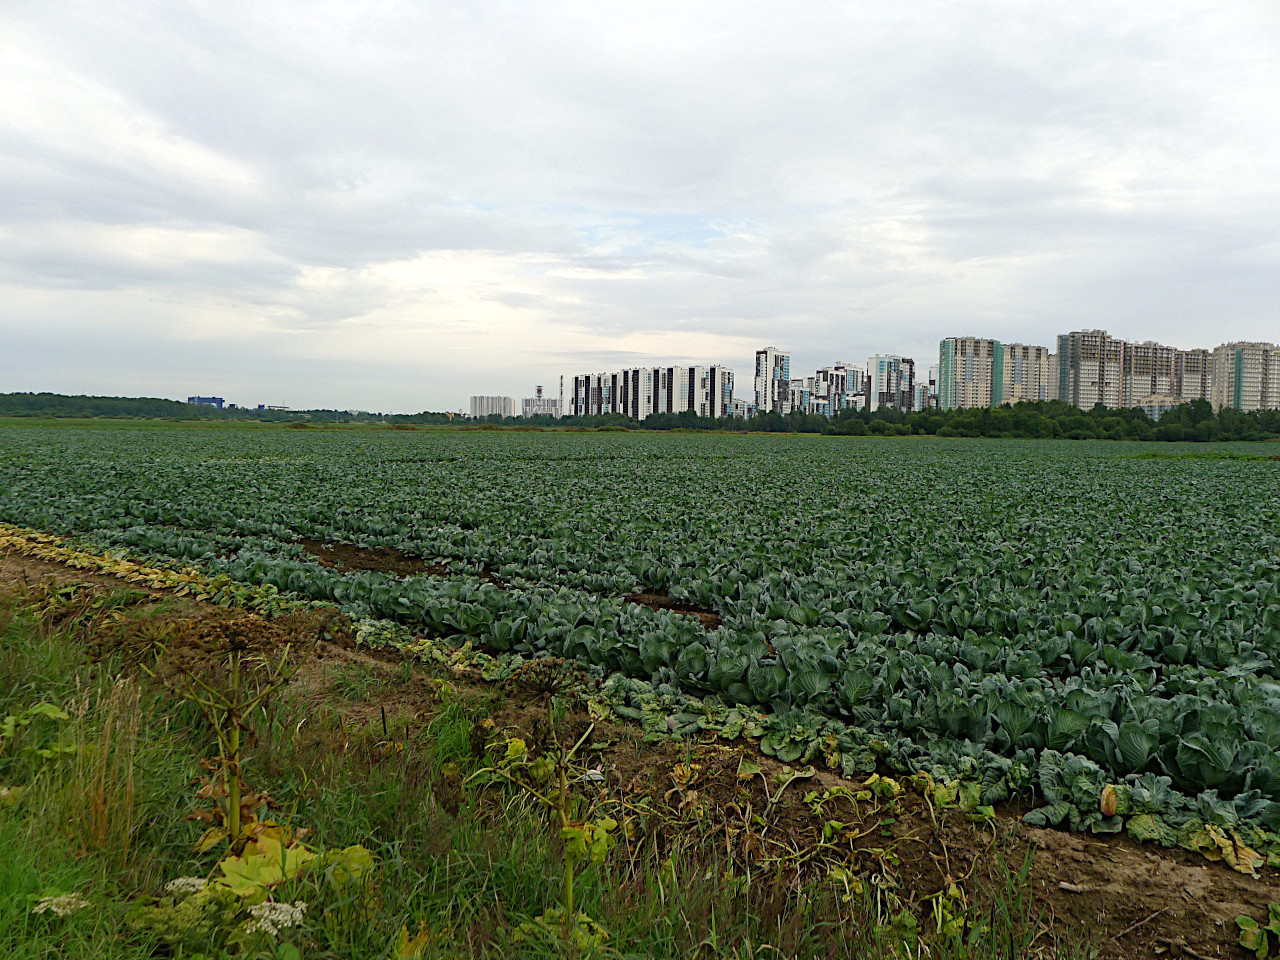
column 182, row 885
column 271, row 917
column 62, row 906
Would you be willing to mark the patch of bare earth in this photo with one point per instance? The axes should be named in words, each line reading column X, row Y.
column 660, row 601
column 17, row 571
column 346, row 556
column 1131, row 900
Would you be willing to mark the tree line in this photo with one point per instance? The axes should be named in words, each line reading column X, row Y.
column 1050, row 419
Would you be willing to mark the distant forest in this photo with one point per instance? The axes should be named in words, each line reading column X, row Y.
column 1193, row 421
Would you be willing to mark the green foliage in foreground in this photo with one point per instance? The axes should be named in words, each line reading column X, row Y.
column 446, row 885
column 1025, row 617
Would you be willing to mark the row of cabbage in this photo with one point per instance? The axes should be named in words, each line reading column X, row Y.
column 1016, row 614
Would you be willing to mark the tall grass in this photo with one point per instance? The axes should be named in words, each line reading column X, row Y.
column 466, row 866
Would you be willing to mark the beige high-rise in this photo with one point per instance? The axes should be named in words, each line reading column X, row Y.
column 1026, row 374
column 1090, row 368
column 967, row 368
column 1246, row 376
column 1148, row 371
column 1193, row 375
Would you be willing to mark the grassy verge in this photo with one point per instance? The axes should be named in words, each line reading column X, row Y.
column 104, row 770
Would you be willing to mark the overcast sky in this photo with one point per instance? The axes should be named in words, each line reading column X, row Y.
column 393, row 205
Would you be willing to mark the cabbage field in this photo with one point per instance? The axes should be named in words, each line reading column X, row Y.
column 1092, row 626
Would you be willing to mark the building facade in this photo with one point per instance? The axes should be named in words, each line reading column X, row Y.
column 1246, row 376
column 539, row 406
column 974, row 372
column 841, row 386
column 891, row 382
column 1193, row 375
column 772, row 381
column 969, row 369
column 1090, row 369
column 493, row 407
column 1025, row 374
column 640, row 392
column 1148, row 371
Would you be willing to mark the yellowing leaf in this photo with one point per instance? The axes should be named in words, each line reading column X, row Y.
column 410, row 948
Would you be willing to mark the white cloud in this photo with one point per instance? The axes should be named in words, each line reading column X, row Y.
column 345, row 205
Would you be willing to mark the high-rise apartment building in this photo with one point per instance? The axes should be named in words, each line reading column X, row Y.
column 1246, row 376
column 493, row 407
column 715, row 392
column 798, row 395
column 639, row 392
column 772, row 381
column 1025, row 375
column 1090, row 369
column 973, row 372
column 1149, row 371
column 538, row 405
column 841, row 386
column 1094, row 367
column 969, row 369
column 1193, row 375
column 923, row 399
column 586, row 395
column 891, row 382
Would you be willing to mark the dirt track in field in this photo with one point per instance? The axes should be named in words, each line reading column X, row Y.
column 1137, row 900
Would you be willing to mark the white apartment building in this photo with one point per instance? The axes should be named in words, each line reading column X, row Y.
column 891, row 382
column 1246, row 376
column 639, row 392
column 798, row 395
column 841, row 386
column 493, row 407
column 539, row 406
column 772, row 381
column 923, row 399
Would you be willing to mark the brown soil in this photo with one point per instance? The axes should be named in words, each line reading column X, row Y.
column 660, row 601
column 18, row 572
column 1132, row 900
column 346, row 556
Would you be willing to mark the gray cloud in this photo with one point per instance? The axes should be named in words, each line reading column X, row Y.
column 392, row 207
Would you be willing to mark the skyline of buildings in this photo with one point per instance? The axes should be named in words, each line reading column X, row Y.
column 1088, row 367
column 492, row 406
column 639, row 392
